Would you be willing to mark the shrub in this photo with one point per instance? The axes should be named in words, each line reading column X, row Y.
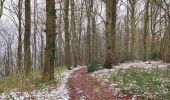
column 154, row 56
column 94, row 65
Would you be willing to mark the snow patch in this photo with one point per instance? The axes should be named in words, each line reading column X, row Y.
column 48, row 93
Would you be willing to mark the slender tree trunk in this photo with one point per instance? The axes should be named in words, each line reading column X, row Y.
column 88, row 36
column 94, row 35
column 74, row 33
column 167, row 43
column 1, row 7
column 60, row 38
column 80, row 53
column 35, row 32
column 67, row 36
column 42, row 50
column 133, row 29
column 127, row 35
column 154, row 12
column 19, row 60
column 164, row 41
column 110, row 57
column 146, row 20
column 48, row 72
column 27, row 52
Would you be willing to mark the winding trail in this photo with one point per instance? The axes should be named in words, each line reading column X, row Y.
column 84, row 87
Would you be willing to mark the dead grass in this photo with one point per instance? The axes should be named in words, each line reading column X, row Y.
column 23, row 83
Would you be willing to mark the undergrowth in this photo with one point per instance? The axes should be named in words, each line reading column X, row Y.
column 23, row 83
column 94, row 65
column 148, row 83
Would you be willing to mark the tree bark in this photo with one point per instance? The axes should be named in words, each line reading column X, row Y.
column 146, row 20
column 35, row 34
column 27, row 52
column 67, row 36
column 1, row 7
column 133, row 29
column 167, row 44
column 48, row 72
column 127, row 35
column 19, row 60
column 110, row 58
column 88, row 34
column 74, row 33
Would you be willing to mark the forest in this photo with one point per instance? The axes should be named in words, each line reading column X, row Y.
column 85, row 49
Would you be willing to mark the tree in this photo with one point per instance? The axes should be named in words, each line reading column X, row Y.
column 89, row 5
column 48, row 72
column 19, row 60
column 27, row 52
column 133, row 28
column 80, row 31
column 74, row 33
column 155, row 13
column 110, row 57
column 60, row 52
column 67, row 36
column 35, row 34
column 146, row 20
column 127, row 34
column 166, row 44
column 1, row 7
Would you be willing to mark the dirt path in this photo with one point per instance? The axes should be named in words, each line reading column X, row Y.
column 83, row 87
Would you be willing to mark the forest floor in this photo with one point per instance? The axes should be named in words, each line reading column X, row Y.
column 104, row 84
column 84, row 87
column 140, row 80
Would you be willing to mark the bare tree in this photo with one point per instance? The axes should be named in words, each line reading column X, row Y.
column 19, row 60
column 35, row 33
column 89, row 5
column 67, row 35
column 1, row 7
column 74, row 33
column 146, row 21
column 27, row 52
column 110, row 58
column 48, row 71
column 133, row 28
column 166, row 44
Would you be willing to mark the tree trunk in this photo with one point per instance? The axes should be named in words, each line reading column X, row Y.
column 94, row 35
column 167, row 44
column 35, row 32
column 60, row 38
column 19, row 60
column 146, row 20
column 67, row 36
column 88, row 34
column 27, row 52
column 48, row 72
column 127, row 35
column 133, row 29
column 80, row 53
column 1, row 7
column 110, row 34
column 74, row 33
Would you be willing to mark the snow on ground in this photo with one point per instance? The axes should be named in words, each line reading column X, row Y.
column 48, row 93
column 140, row 64
column 105, row 74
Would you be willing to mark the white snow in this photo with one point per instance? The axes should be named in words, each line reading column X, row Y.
column 48, row 93
column 105, row 74
column 140, row 64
